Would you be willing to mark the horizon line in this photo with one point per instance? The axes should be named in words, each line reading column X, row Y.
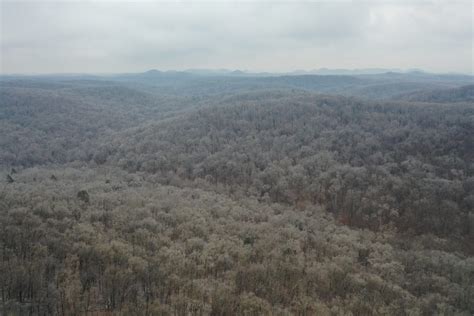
column 223, row 71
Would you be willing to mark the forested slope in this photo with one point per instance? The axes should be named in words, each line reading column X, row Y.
column 176, row 194
column 372, row 164
column 97, row 240
column 459, row 94
column 381, row 86
column 56, row 122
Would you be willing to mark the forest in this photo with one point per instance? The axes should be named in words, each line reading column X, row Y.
column 185, row 193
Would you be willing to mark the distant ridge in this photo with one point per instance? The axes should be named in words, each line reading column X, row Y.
column 320, row 71
column 243, row 72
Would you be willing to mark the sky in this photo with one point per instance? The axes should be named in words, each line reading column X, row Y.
column 72, row 36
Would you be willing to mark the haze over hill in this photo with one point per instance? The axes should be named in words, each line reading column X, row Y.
column 166, row 158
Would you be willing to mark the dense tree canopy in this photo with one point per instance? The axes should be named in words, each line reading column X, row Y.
column 177, row 194
column 371, row 164
column 134, row 246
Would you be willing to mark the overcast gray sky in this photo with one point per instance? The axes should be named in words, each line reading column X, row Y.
column 110, row 36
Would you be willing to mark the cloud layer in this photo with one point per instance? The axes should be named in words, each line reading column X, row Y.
column 107, row 36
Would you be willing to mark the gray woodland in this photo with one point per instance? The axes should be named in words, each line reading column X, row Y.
column 175, row 193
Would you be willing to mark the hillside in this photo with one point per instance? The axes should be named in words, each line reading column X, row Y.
column 461, row 94
column 236, row 158
column 192, row 83
column 132, row 246
column 46, row 121
column 371, row 164
column 217, row 195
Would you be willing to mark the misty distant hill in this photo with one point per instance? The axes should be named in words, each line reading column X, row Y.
column 374, row 86
column 461, row 94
